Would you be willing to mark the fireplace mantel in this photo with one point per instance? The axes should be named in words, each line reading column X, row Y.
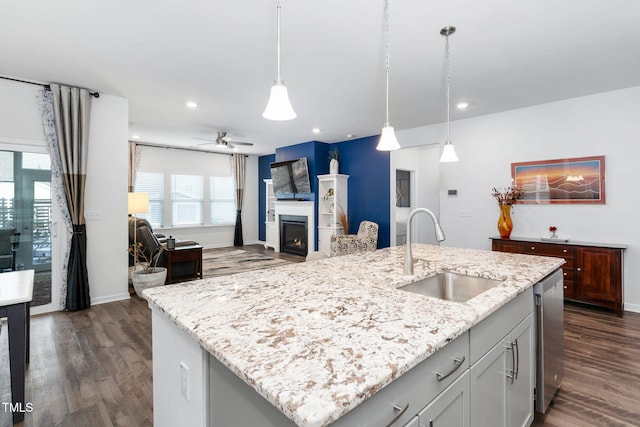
column 300, row 208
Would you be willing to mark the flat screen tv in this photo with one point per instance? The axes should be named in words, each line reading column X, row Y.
column 290, row 177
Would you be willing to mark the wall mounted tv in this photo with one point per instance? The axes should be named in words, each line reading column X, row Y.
column 290, row 177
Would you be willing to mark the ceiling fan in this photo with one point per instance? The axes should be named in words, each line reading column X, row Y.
column 223, row 141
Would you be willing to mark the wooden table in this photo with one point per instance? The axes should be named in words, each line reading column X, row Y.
column 16, row 292
column 180, row 254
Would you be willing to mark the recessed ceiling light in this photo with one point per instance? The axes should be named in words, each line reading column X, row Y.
column 192, row 105
column 462, row 105
column 315, row 130
column 135, row 136
column 349, row 135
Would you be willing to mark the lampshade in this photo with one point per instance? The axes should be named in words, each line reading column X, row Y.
column 279, row 107
column 388, row 140
column 138, row 203
column 448, row 153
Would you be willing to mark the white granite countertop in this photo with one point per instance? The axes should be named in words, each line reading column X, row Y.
column 318, row 338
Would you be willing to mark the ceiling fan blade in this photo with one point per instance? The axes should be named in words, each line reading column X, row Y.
column 203, row 139
column 242, row 143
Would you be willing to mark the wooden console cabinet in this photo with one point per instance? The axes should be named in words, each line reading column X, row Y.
column 593, row 273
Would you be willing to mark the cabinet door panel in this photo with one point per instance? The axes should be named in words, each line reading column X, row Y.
column 599, row 278
column 451, row 408
column 520, row 392
column 488, row 389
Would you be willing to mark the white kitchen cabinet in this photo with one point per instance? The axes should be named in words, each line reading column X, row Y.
column 503, row 380
column 450, row 408
column 415, row 422
column 333, row 198
column 271, row 227
column 233, row 402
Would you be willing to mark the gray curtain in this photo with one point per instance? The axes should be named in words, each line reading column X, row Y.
column 237, row 161
column 71, row 107
column 134, row 161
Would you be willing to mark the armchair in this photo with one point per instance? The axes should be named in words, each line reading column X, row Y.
column 160, row 239
column 151, row 243
column 365, row 240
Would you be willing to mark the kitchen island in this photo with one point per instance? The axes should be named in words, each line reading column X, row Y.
column 317, row 339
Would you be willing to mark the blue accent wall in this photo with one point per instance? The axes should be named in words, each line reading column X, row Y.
column 369, row 188
column 368, row 170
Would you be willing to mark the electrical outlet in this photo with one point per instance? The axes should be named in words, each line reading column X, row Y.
column 92, row 215
column 184, row 381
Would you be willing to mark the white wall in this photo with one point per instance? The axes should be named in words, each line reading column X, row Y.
column 602, row 124
column 107, row 169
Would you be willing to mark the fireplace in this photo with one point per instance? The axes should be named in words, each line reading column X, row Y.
column 300, row 212
column 293, row 234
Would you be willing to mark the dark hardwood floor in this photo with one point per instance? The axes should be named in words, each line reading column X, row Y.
column 94, row 368
column 601, row 385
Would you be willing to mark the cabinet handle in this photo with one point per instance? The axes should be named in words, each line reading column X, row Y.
column 457, row 363
column 565, row 287
column 517, row 365
column 564, row 250
column 399, row 411
column 513, row 363
column 533, row 248
column 578, row 269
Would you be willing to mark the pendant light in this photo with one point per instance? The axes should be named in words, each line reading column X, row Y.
column 448, row 153
column 279, row 107
column 388, row 140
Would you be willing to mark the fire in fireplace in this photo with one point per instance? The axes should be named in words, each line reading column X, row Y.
column 293, row 234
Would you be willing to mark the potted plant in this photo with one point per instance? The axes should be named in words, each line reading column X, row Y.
column 150, row 275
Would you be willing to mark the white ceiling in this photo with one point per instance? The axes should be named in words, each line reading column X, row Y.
column 159, row 54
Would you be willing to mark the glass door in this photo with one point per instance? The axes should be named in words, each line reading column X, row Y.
column 26, row 220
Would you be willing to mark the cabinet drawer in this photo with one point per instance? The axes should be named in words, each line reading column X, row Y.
column 569, row 289
column 494, row 328
column 549, row 249
column 567, row 273
column 415, row 388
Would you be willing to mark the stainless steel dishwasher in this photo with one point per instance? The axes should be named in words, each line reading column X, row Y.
column 549, row 298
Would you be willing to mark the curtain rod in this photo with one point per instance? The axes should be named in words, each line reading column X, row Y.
column 148, row 144
column 45, row 85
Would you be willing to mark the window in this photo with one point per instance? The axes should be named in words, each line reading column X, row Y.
column 223, row 205
column 152, row 183
column 187, row 200
column 186, row 188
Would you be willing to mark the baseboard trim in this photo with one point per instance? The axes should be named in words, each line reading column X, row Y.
column 632, row 307
column 110, row 298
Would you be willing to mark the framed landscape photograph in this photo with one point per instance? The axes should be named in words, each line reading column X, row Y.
column 577, row 180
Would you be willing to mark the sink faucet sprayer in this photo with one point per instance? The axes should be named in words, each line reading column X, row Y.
column 408, row 259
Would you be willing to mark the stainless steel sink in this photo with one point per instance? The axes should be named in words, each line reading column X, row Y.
column 451, row 286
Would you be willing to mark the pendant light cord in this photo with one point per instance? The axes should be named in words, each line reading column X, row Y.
column 448, row 91
column 279, row 8
column 386, row 46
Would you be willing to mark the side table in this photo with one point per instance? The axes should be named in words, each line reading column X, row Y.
column 184, row 254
